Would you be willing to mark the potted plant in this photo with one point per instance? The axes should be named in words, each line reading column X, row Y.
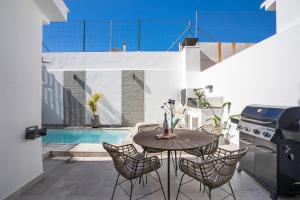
column 200, row 93
column 92, row 103
column 222, row 120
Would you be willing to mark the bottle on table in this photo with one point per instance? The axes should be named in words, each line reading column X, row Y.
column 166, row 125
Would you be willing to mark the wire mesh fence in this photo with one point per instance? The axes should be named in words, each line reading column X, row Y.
column 109, row 35
column 155, row 35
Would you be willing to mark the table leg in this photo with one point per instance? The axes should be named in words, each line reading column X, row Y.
column 168, row 175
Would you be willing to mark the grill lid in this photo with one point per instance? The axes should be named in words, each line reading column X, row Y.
column 272, row 116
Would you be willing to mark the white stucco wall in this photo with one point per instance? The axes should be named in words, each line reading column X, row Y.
column 287, row 14
column 113, row 60
column 20, row 83
column 191, row 65
column 108, row 82
column 160, row 85
column 266, row 73
column 53, row 95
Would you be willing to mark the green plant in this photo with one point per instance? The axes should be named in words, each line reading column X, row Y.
column 93, row 100
column 200, row 93
column 221, row 120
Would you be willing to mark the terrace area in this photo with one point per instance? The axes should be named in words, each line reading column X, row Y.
column 174, row 108
column 91, row 180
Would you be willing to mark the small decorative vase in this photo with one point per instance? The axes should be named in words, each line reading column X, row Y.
column 95, row 121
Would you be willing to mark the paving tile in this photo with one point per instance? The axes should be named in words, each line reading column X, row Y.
column 91, row 180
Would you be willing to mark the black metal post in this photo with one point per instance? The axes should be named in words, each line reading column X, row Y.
column 168, row 175
column 83, row 39
column 139, row 34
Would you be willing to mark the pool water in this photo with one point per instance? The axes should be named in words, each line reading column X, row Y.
column 68, row 136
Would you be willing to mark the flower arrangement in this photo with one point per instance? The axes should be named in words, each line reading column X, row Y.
column 169, row 108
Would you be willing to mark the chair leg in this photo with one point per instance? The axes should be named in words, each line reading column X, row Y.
column 161, row 158
column 231, row 190
column 115, row 187
column 131, row 186
column 146, row 154
column 179, row 186
column 176, row 165
column 160, row 184
column 180, row 155
column 200, row 188
column 209, row 194
column 141, row 179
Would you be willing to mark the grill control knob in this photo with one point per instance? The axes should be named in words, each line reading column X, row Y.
column 266, row 134
column 240, row 126
column 256, row 131
column 247, row 129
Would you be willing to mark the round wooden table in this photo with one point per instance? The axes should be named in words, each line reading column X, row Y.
column 185, row 139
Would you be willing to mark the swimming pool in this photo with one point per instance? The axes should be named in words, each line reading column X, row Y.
column 74, row 136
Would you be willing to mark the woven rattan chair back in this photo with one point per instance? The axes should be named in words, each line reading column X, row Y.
column 132, row 165
column 214, row 172
column 147, row 127
column 210, row 148
column 212, row 130
column 220, row 169
column 144, row 128
column 120, row 155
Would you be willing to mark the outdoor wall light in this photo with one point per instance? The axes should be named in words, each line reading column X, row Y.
column 133, row 76
column 34, row 132
column 75, row 77
column 209, row 88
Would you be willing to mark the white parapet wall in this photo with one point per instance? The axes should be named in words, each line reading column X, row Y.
column 163, row 79
column 266, row 73
column 90, row 61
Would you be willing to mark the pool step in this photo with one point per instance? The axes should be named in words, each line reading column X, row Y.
column 81, row 150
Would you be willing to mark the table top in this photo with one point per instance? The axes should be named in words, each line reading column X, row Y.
column 185, row 139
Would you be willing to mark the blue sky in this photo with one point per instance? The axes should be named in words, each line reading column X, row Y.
column 162, row 21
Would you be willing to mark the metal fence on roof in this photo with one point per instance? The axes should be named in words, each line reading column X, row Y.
column 153, row 35
column 109, row 35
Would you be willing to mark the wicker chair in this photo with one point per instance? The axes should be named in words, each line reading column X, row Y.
column 132, row 165
column 146, row 151
column 209, row 149
column 214, row 172
column 149, row 127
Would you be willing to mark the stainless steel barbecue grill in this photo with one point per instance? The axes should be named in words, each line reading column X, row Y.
column 272, row 136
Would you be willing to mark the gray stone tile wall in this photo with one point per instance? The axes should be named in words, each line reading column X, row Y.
column 74, row 98
column 132, row 97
